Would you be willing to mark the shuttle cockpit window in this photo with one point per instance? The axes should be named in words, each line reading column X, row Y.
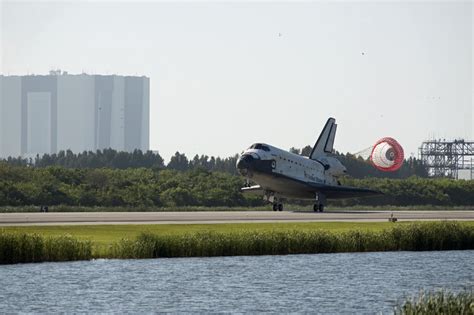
column 259, row 146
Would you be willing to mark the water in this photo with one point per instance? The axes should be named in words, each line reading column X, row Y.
column 324, row 283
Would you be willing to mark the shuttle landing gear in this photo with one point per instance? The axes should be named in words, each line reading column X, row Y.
column 318, row 207
column 320, row 202
column 271, row 198
column 277, row 207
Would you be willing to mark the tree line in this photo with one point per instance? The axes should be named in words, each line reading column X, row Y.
column 357, row 167
column 148, row 187
column 110, row 158
column 105, row 187
column 110, row 178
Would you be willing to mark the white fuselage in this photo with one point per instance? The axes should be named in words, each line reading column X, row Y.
column 280, row 174
column 271, row 168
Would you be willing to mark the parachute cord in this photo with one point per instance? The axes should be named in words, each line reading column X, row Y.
column 365, row 153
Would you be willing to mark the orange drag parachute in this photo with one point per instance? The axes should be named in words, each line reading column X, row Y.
column 387, row 155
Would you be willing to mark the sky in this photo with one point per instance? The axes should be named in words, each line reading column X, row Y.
column 224, row 75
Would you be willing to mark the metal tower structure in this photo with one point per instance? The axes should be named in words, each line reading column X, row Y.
column 446, row 158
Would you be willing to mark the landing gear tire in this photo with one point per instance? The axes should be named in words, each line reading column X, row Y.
column 280, row 207
column 321, row 208
column 275, row 207
column 318, row 208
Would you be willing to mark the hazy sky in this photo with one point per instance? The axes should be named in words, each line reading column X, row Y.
column 225, row 75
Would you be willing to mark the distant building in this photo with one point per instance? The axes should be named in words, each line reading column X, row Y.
column 48, row 113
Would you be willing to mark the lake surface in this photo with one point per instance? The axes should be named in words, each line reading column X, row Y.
column 324, row 283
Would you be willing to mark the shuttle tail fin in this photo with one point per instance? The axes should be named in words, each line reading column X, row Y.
column 325, row 141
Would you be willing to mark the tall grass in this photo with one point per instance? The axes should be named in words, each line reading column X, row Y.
column 412, row 237
column 16, row 247
column 26, row 247
column 441, row 302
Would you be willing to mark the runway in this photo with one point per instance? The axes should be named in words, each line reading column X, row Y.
column 93, row 218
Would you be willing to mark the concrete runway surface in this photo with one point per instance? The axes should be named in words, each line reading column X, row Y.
column 88, row 218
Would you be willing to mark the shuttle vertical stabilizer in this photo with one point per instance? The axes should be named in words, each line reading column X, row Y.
column 325, row 141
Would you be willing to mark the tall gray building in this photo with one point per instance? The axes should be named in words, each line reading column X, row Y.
column 48, row 113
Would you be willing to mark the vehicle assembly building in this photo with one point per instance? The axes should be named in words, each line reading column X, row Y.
column 49, row 113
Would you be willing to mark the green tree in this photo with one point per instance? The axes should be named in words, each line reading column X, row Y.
column 178, row 162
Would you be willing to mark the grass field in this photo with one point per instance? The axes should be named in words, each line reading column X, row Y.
column 103, row 236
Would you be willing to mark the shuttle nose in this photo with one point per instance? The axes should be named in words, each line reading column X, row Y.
column 245, row 161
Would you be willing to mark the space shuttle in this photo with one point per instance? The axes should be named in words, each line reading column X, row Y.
column 280, row 174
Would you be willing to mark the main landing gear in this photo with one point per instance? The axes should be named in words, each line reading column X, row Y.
column 320, row 202
column 277, row 207
column 318, row 207
column 274, row 200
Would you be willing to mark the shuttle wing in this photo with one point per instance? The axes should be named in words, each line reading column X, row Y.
column 337, row 192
